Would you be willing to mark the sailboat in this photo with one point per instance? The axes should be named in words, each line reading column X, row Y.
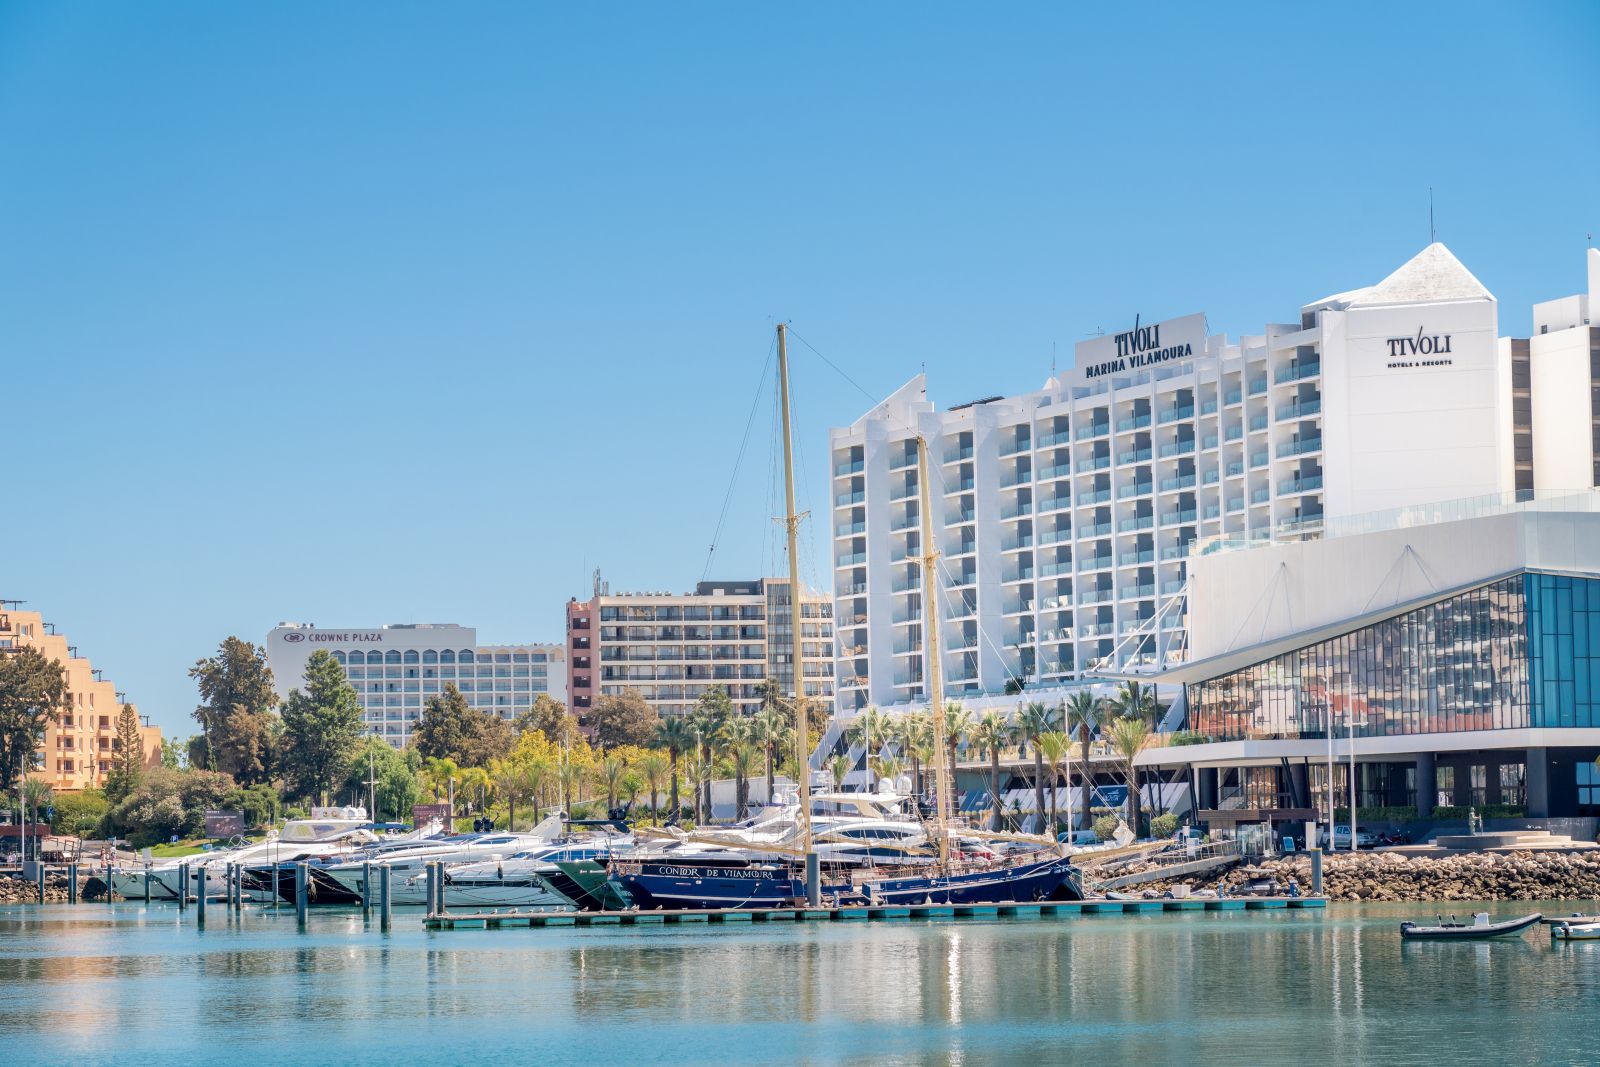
column 730, row 877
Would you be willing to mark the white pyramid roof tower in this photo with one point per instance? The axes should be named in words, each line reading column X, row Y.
column 1434, row 275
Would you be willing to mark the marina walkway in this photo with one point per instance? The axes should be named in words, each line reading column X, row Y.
column 492, row 920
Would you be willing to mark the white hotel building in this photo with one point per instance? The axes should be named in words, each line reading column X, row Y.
column 396, row 668
column 1065, row 517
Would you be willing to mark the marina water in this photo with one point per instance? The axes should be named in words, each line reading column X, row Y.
column 125, row 984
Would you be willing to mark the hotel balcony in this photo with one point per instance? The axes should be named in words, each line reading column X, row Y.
column 1133, row 489
column 1019, row 543
column 956, row 455
column 1136, row 455
column 1258, row 423
column 1055, row 503
column 1309, row 484
column 1050, row 570
column 905, row 492
column 1258, row 386
column 1301, row 447
column 853, row 467
column 1047, row 440
column 1175, row 413
column 1133, row 422
column 851, row 559
column 1138, row 522
column 1295, row 372
column 1176, row 518
column 1057, row 470
column 1099, row 429
column 846, row 499
column 1299, row 409
column 964, row 485
column 848, row 528
column 903, row 462
column 1096, row 496
column 1094, row 463
column 1177, row 448
column 1182, row 481
column 1012, row 448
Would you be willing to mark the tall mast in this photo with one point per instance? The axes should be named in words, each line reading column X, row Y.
column 791, row 521
column 930, row 641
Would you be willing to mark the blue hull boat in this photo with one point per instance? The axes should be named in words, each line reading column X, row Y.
column 702, row 887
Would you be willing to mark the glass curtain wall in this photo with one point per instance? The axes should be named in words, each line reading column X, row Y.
column 1460, row 664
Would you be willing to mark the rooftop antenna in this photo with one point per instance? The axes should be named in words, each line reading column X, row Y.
column 1432, row 234
column 1052, row 359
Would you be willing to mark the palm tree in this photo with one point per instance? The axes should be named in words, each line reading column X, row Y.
column 1128, row 737
column 609, row 773
column 1085, row 715
column 889, row 769
column 677, row 736
column 653, row 768
column 707, row 725
column 839, row 769
column 772, row 729
column 475, row 778
column 1135, row 701
column 869, row 730
column 36, row 794
column 916, row 734
column 746, row 757
column 957, row 726
column 506, row 775
column 533, row 778
column 993, row 734
column 630, row 784
column 1056, row 748
column 1035, row 719
column 570, row 775
column 441, row 772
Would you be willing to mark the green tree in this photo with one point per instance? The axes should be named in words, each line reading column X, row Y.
column 236, row 702
column 957, row 726
column 622, row 719
column 397, row 787
column 322, row 728
column 1136, row 701
column 871, row 729
column 839, row 770
column 677, row 737
column 174, row 753
column 33, row 690
column 1057, row 750
column 609, row 774
column 127, row 763
column 993, row 735
column 1128, row 737
column 551, row 718
column 653, row 769
column 1034, row 719
column 452, row 729
column 36, row 796
column 772, row 733
column 713, row 709
column 1086, row 715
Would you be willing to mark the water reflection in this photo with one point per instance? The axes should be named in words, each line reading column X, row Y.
column 1195, row 988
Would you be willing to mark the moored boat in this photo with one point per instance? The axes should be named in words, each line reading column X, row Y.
column 1479, row 929
column 1575, row 931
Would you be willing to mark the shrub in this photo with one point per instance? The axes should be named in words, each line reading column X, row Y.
column 1164, row 825
column 1190, row 737
column 79, row 814
column 1105, row 827
column 1367, row 816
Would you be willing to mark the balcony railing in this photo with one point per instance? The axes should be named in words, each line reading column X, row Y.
column 1294, row 372
column 1300, row 447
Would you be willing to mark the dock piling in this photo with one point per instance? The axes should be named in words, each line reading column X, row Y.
column 300, row 871
column 383, row 898
column 1316, row 872
column 200, row 897
column 72, row 882
column 147, row 883
column 366, row 889
column 183, row 886
column 41, row 883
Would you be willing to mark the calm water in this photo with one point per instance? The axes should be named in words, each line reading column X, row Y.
column 126, row 985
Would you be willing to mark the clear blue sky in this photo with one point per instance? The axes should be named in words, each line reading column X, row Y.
column 363, row 313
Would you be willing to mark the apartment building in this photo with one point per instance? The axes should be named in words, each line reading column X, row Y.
column 671, row 648
column 1065, row 518
column 81, row 744
column 396, row 668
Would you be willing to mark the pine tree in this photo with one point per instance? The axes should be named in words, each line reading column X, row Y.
column 128, row 763
column 321, row 729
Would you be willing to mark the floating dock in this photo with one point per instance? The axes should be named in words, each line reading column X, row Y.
column 479, row 920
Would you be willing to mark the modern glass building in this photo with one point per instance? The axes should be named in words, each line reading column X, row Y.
column 1454, row 664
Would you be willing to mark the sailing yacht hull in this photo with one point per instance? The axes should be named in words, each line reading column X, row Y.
column 1025, row 883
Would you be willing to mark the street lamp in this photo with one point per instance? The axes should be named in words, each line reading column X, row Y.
column 1351, row 722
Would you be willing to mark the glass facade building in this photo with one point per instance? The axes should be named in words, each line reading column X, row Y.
column 1518, row 652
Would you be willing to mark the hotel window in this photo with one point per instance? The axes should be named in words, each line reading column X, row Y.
column 339, row 656
column 447, row 656
column 464, row 656
column 411, row 656
column 391, row 657
column 430, row 656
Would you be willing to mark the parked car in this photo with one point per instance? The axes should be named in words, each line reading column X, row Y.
column 1341, row 838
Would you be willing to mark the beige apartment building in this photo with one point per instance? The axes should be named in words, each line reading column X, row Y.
column 79, row 748
column 671, row 648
